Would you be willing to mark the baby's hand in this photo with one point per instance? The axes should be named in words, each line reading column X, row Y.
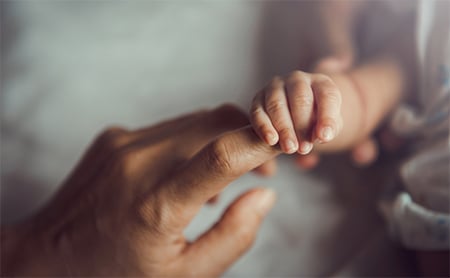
column 297, row 111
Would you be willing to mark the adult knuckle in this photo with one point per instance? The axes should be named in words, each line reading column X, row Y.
column 128, row 162
column 155, row 214
column 219, row 157
column 125, row 158
column 112, row 137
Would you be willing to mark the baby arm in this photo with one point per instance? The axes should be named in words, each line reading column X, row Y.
column 339, row 109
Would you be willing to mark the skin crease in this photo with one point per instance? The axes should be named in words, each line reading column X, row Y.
column 123, row 209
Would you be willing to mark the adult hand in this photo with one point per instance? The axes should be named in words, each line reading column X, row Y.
column 124, row 208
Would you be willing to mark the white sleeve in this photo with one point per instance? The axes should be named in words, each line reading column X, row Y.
column 416, row 227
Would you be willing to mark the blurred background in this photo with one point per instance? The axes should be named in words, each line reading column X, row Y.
column 71, row 68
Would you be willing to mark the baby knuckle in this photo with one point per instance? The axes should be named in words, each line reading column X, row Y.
column 322, row 77
column 285, row 131
column 296, row 86
column 296, row 75
column 256, row 112
column 301, row 99
column 332, row 95
column 275, row 106
column 261, row 127
column 275, row 83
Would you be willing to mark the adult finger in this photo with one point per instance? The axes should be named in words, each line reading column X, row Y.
column 201, row 131
column 261, row 121
column 307, row 162
column 301, row 106
column 335, row 63
column 267, row 169
column 185, row 136
column 328, row 99
column 277, row 108
column 365, row 152
column 229, row 238
column 207, row 173
column 214, row 200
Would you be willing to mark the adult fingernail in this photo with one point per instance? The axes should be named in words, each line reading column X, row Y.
column 290, row 146
column 266, row 201
column 305, row 147
column 327, row 134
column 271, row 138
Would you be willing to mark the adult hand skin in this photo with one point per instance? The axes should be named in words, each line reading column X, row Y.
column 123, row 210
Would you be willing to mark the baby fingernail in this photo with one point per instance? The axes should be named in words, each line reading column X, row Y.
column 305, row 147
column 290, row 146
column 327, row 134
column 270, row 138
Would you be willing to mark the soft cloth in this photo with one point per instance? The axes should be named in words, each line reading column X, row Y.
column 419, row 214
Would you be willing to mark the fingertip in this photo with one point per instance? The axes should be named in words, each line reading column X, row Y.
column 264, row 201
column 365, row 154
column 267, row 169
column 289, row 146
column 307, row 162
column 325, row 134
column 305, row 148
column 270, row 138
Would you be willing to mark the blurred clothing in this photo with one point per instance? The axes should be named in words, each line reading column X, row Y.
column 419, row 214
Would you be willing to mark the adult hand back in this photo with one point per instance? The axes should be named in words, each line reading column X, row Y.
column 124, row 208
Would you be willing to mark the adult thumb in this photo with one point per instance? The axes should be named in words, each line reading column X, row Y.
column 213, row 252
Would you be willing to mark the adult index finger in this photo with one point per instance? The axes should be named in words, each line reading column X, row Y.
column 223, row 160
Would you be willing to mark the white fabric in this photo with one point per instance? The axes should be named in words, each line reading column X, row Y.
column 425, row 174
column 415, row 226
